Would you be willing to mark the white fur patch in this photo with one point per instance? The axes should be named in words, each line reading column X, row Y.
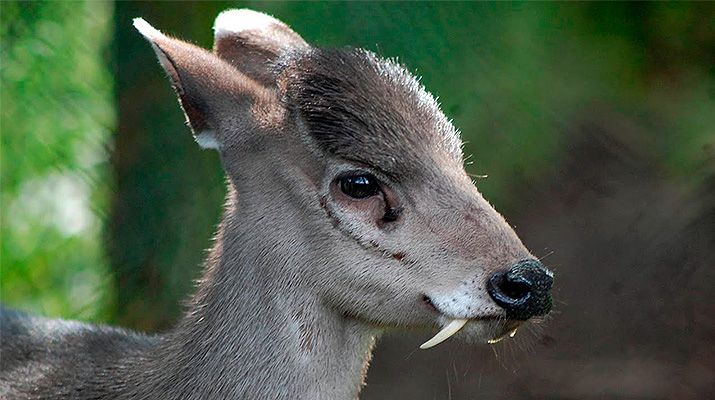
column 207, row 140
column 151, row 34
column 231, row 22
column 146, row 30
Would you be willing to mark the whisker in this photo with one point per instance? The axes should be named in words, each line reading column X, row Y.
column 546, row 255
column 478, row 176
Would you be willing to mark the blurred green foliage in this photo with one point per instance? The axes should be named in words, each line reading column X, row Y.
column 517, row 78
column 57, row 115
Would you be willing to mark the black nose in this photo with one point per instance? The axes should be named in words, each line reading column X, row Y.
column 524, row 290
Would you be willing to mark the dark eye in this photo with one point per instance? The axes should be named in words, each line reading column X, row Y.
column 359, row 186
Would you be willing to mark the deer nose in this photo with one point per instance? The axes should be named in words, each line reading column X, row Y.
column 524, row 290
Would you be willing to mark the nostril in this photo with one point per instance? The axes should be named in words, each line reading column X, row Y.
column 515, row 289
column 507, row 291
column 523, row 290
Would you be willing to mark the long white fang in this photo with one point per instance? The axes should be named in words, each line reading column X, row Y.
column 449, row 330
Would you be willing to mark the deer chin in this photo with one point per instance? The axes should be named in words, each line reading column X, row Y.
column 489, row 330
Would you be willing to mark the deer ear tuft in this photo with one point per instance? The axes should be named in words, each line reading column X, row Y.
column 232, row 22
column 148, row 31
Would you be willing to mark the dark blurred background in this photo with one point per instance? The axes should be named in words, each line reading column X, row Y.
column 595, row 124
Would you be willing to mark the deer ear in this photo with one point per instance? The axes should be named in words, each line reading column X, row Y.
column 210, row 90
column 252, row 42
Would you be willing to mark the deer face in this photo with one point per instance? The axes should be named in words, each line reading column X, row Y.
column 399, row 233
column 418, row 243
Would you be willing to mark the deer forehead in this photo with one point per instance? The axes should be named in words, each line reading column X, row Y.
column 370, row 110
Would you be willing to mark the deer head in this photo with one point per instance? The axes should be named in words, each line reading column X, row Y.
column 351, row 180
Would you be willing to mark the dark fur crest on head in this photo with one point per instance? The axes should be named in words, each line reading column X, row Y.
column 366, row 109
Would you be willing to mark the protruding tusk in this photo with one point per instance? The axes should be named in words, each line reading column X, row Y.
column 500, row 338
column 449, row 330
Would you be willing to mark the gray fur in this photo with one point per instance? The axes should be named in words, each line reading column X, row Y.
column 301, row 279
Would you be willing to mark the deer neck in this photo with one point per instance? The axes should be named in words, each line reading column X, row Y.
column 254, row 328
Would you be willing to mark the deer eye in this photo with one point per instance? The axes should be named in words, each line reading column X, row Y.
column 359, row 186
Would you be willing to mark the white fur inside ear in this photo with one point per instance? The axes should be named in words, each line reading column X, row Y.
column 207, row 140
column 231, row 22
column 146, row 30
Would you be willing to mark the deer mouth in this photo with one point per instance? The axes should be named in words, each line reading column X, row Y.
column 498, row 329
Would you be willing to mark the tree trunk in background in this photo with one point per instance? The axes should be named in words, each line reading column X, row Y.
column 168, row 192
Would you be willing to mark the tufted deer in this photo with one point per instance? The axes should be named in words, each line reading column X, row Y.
column 348, row 213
